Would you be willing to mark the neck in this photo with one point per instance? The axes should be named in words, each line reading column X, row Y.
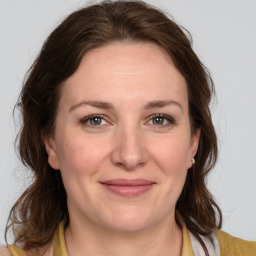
column 163, row 239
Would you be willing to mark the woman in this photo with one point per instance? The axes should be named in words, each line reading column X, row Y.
column 118, row 133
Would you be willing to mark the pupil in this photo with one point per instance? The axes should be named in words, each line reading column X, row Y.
column 95, row 121
column 158, row 120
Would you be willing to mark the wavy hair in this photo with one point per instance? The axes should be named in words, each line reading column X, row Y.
column 38, row 212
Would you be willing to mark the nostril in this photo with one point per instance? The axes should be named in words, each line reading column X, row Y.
column 132, row 161
column 129, row 151
column 129, row 161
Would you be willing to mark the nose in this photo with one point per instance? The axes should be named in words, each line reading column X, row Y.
column 130, row 150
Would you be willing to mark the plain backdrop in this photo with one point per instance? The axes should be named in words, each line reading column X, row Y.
column 224, row 33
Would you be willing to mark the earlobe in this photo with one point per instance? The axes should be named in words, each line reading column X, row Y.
column 50, row 148
column 195, row 142
column 194, row 146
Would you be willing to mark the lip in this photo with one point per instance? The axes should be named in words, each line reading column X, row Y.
column 128, row 187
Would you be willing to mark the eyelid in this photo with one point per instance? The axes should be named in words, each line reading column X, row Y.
column 170, row 119
column 87, row 118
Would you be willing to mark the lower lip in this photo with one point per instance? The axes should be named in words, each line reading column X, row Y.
column 128, row 191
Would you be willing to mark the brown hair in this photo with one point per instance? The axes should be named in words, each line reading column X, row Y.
column 37, row 213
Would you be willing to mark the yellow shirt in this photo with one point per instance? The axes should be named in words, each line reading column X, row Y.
column 229, row 245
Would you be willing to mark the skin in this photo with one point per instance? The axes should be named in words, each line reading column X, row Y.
column 125, row 142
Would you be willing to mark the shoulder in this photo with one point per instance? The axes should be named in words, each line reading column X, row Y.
column 14, row 250
column 4, row 251
column 230, row 245
column 11, row 250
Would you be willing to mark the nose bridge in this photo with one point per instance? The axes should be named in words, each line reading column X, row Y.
column 130, row 151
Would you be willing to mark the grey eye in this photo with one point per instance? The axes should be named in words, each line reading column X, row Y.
column 158, row 120
column 95, row 120
column 161, row 120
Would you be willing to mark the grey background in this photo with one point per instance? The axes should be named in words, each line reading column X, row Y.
column 224, row 33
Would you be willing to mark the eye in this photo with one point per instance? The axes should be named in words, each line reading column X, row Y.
column 94, row 120
column 161, row 120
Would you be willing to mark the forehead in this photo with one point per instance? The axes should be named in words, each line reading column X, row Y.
column 125, row 70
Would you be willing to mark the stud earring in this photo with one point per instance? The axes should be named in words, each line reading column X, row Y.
column 193, row 161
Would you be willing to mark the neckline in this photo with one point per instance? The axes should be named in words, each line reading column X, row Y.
column 59, row 244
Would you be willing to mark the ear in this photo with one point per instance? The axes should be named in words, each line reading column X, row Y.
column 194, row 146
column 50, row 147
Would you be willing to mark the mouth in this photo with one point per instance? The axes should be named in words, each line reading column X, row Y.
column 128, row 187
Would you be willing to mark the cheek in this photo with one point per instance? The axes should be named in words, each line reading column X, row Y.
column 171, row 154
column 79, row 155
column 80, row 162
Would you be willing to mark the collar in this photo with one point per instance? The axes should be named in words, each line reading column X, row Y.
column 59, row 246
column 190, row 245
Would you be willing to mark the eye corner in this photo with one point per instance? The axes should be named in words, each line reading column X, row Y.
column 161, row 120
column 94, row 121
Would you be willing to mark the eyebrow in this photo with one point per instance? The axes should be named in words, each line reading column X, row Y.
column 95, row 104
column 162, row 103
column 106, row 105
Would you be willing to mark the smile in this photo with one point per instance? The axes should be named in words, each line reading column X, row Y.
column 128, row 187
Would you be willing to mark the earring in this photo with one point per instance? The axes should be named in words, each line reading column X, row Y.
column 193, row 161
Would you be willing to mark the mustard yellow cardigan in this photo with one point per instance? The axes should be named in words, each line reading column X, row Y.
column 229, row 245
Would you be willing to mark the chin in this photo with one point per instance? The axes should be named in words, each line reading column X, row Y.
column 129, row 220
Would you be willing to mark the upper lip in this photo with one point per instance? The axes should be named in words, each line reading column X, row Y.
column 128, row 182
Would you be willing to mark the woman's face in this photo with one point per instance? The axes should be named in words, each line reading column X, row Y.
column 123, row 140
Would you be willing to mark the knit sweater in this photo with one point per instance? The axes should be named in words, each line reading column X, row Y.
column 228, row 245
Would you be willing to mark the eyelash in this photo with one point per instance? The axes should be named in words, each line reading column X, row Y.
column 91, row 117
column 168, row 118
